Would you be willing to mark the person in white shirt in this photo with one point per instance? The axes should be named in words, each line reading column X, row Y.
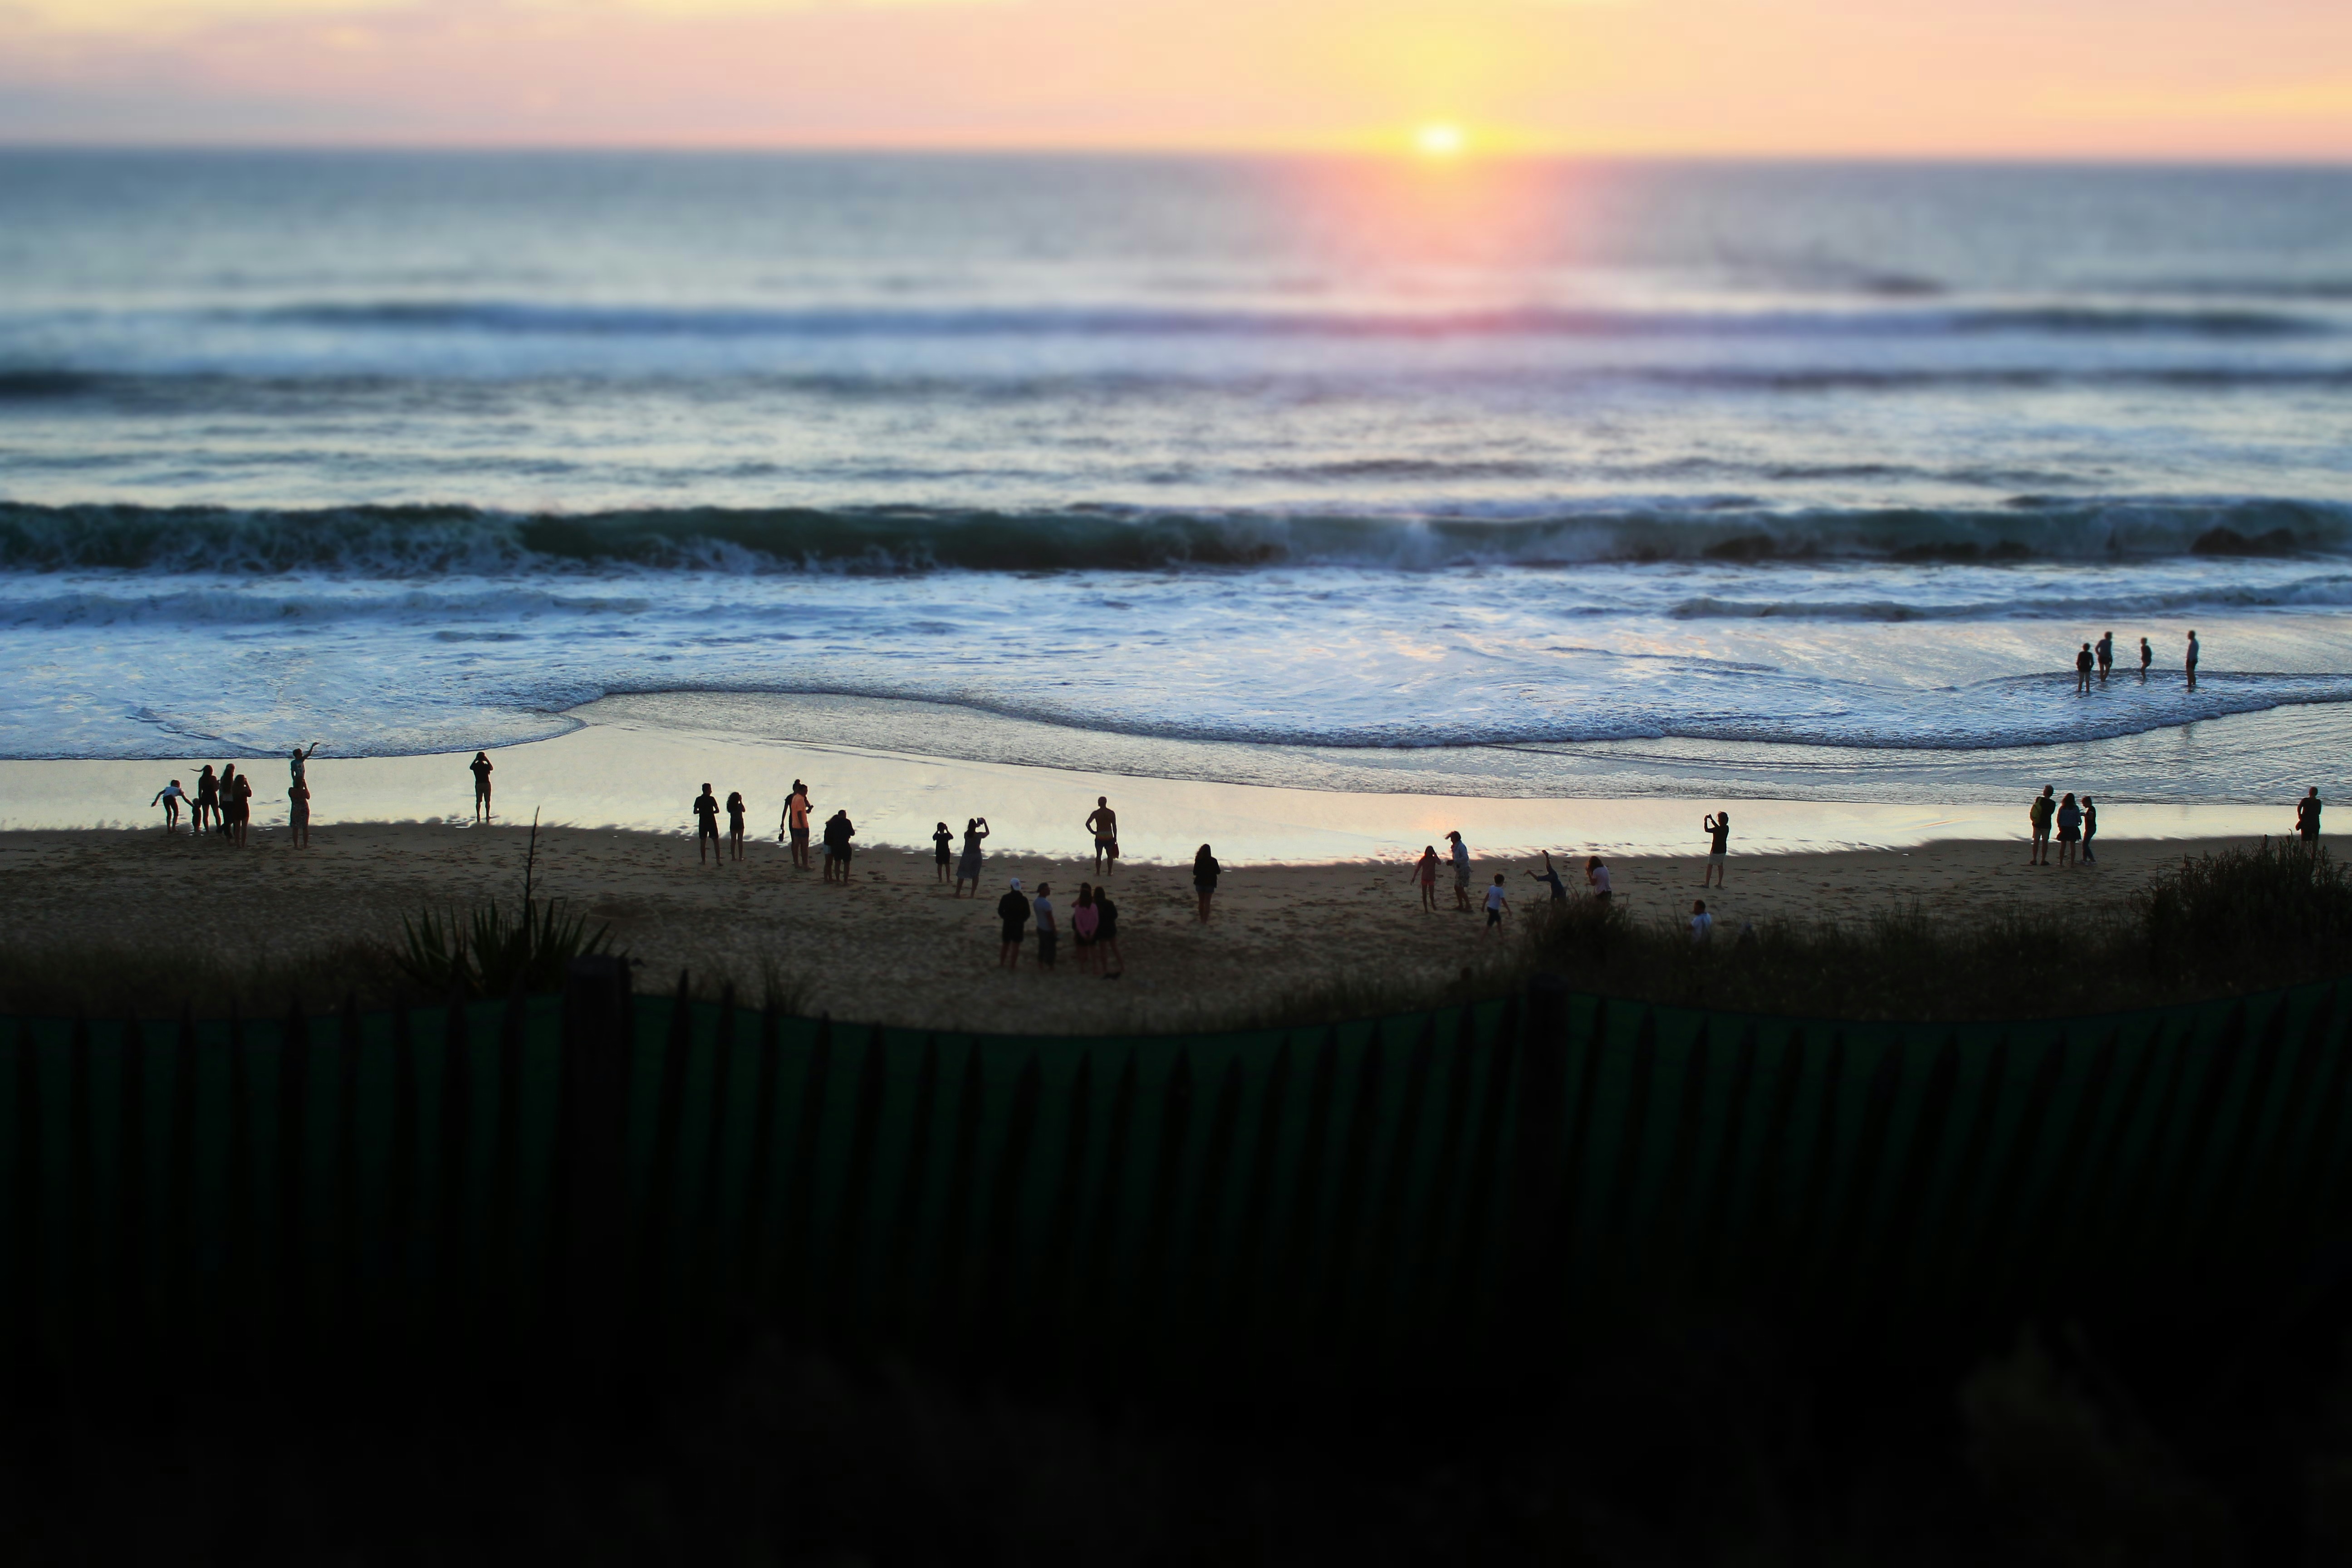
column 1596, row 877
column 1461, row 872
column 1702, row 923
column 1495, row 904
column 171, row 794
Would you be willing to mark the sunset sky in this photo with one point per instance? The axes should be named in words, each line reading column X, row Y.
column 2145, row 78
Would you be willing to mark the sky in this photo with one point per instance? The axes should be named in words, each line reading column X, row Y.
column 2256, row 79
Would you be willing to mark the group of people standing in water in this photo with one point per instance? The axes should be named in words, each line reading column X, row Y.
column 2100, row 657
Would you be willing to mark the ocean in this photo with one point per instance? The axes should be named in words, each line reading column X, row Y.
column 1519, row 478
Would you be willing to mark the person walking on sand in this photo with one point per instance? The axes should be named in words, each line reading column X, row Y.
column 1702, row 926
column 297, row 814
column 208, row 800
column 1205, row 872
column 975, row 828
column 2146, row 657
column 1461, row 872
column 1719, row 846
column 838, row 831
column 1106, row 936
column 1083, row 923
column 706, row 829
column 1496, row 902
column 2306, row 821
column 170, row 796
column 1424, row 871
column 1012, row 913
column 480, row 768
column 796, row 824
column 1596, row 877
column 942, row 851
column 2192, row 661
column 2038, row 817
column 1049, row 933
column 2106, row 652
column 2089, row 829
column 1549, row 876
column 2070, row 829
column 2083, row 662
column 1103, row 823
column 735, row 813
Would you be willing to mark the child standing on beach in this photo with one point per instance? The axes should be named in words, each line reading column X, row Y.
column 735, row 810
column 1205, row 872
column 1426, row 872
column 297, row 814
column 1106, row 936
column 2090, row 830
column 1496, row 902
column 172, row 795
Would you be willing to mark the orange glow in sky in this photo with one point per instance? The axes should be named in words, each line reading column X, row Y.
column 1857, row 77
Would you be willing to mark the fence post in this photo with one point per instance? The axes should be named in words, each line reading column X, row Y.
column 599, row 1022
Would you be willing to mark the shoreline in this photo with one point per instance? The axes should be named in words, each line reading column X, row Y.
column 620, row 770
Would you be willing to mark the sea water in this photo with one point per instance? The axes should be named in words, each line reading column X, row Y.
column 1515, row 477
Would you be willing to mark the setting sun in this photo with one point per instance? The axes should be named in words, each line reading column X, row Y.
column 1438, row 139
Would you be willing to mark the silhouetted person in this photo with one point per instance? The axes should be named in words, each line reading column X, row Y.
column 1498, row 901
column 1425, row 870
column 1049, row 931
column 1718, row 846
column 1103, row 823
column 838, row 831
column 2038, row 817
column 1205, row 872
column 1702, row 926
column 297, row 814
column 735, row 812
column 2070, row 829
column 294, row 763
column 975, row 828
column 2146, row 657
column 1107, row 950
column 2106, row 652
column 1461, row 871
column 2306, row 821
column 1596, row 877
column 1549, row 875
column 796, row 824
column 2192, row 661
column 480, row 768
column 208, row 800
column 1013, row 912
column 170, row 796
column 705, row 826
column 2089, row 829
column 2083, row 662
column 944, row 850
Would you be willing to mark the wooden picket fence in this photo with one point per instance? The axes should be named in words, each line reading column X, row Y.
column 598, row 1187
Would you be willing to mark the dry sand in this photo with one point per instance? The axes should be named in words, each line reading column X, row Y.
column 895, row 946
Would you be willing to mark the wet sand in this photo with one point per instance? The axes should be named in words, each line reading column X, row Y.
column 897, row 946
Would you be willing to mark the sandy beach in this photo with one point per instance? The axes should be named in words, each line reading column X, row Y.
column 897, row 946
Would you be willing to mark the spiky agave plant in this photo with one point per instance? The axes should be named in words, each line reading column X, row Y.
column 488, row 952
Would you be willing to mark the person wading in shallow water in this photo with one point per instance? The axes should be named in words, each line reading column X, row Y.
column 2083, row 662
column 2192, row 661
